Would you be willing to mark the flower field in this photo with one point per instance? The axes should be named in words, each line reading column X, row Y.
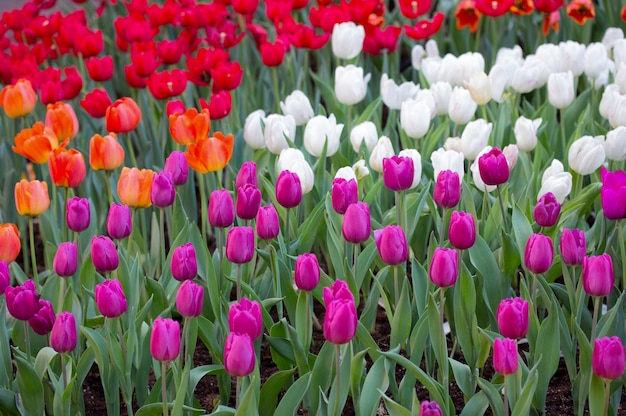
column 313, row 207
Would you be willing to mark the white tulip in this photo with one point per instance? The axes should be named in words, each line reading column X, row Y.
column 532, row 75
column 475, row 137
column 430, row 69
column 426, row 96
column 479, row 87
column 617, row 115
column 615, row 144
column 586, row 154
column 253, row 129
column 297, row 104
column 561, row 89
column 461, row 107
column 499, row 78
column 510, row 54
column 364, row 132
column 417, row 165
column 478, row 180
column 608, row 100
column 350, row 84
column 442, row 159
column 557, row 181
column 550, row 54
column 511, row 153
column 441, row 92
column 305, row 173
column 347, row 40
column 619, row 52
column 468, row 64
column 346, row 172
column 453, row 143
column 573, row 56
column 525, row 132
column 611, row 36
column 415, row 118
column 620, row 77
column 393, row 94
column 287, row 158
column 555, row 168
column 596, row 60
column 432, row 50
column 417, row 53
column 449, row 70
column 320, row 130
column 360, row 169
column 277, row 127
column 383, row 149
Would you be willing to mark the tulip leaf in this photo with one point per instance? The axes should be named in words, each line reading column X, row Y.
column 7, row 403
column 465, row 326
column 154, row 409
column 290, row 402
column 29, row 387
column 596, row 396
column 249, row 403
column 298, row 350
column 345, row 356
column 365, row 339
column 525, row 399
column 272, row 388
column 463, row 377
column 42, row 361
column 493, row 395
column 483, row 260
column 369, row 111
column 357, row 375
column 322, row 373
column 607, row 323
column 548, row 338
column 393, row 408
column 476, row 405
column 375, row 384
column 332, row 106
column 401, row 323
column 304, row 326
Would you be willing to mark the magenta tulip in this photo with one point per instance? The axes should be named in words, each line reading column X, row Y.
column 165, row 339
column 22, row 301
column 512, row 317
column 239, row 357
column 608, row 358
column 613, row 193
column 462, row 230
column 343, row 194
column 539, row 253
column 598, row 275
column 357, row 226
column 110, row 298
column 77, row 214
column 340, row 321
column 447, row 193
column 430, row 409
column 547, row 210
column 119, row 221
column 493, row 167
column 104, row 254
column 307, row 272
column 244, row 317
column 267, row 224
column 444, row 267
column 63, row 335
column 288, row 189
column 221, row 209
column 184, row 265
column 573, row 246
column 398, row 172
column 5, row 276
column 189, row 299
column 247, row 175
column 163, row 190
column 240, row 244
column 248, row 201
column 44, row 319
column 338, row 290
column 505, row 356
column 392, row 245
column 176, row 164
column 65, row 260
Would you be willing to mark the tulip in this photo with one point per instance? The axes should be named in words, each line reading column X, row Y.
column 461, row 107
column 525, row 132
column 573, row 246
column 382, row 150
column 479, row 87
column 248, row 202
column 163, row 191
column 210, row 154
column 493, row 167
column 22, row 301
column 392, row 245
column 430, row 409
column 340, row 321
column 561, row 89
column 613, row 194
column 444, row 267
column 244, row 317
column 219, row 105
column 298, row 106
column 272, row 54
column 221, row 209
column 609, row 97
column 598, row 275
column 96, row 102
column 36, row 143
column 253, row 133
column 357, row 227
column 123, row 116
column 104, row 254
column 60, row 117
column 19, row 99
column 100, row 69
column 347, row 40
column 67, row 167
column 165, row 339
column 184, row 264
column 474, row 138
column 447, row 193
column 364, row 133
column 596, row 61
column 360, row 169
column 9, row 242
column 63, row 335
column 105, row 153
column 240, row 245
column 474, row 168
column 608, row 358
column 307, row 272
column 586, row 154
column 119, row 221
column 31, row 197
column 415, row 118
column 110, row 298
column 267, row 223
column 43, row 321
column 66, row 259
column 505, row 356
column 547, row 210
column 189, row 299
column 321, row 131
column 414, row 155
column 343, row 194
column 398, row 173
column 394, row 95
column 555, row 180
column 512, row 317
column 338, row 290
column 572, row 57
column 239, row 357
column 134, row 187
column 5, row 276
column 77, row 214
column 539, row 253
column 277, row 127
column 176, row 165
column 615, row 143
column 350, row 84
column 442, row 159
column 190, row 127
column 288, row 189
column 462, row 230
column 511, row 153
column 247, row 175
column 617, row 114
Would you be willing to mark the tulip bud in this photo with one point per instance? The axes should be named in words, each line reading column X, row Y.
column 539, row 253
column 165, row 339
column 557, row 181
column 340, row 321
column 462, row 230
column 505, row 356
column 176, row 164
column 547, row 210
column 5, row 276
column 277, row 127
column 561, row 89
column 364, row 133
column 347, row 40
column 9, row 242
column 189, row 299
column 350, row 84
column 586, row 154
column 78, row 214
column 493, row 167
column 608, row 358
column 248, row 201
column 111, row 299
column 63, row 335
column 239, row 357
column 394, row 95
column 573, row 246
column 267, row 224
column 382, row 150
column 288, row 189
column 444, row 267
column 320, row 131
column 184, row 265
column 479, row 87
column 43, row 320
column 447, row 191
column 123, row 116
column 253, row 133
column 430, row 409
column 31, row 197
column 474, row 138
column 65, row 260
column 247, row 175
column 240, row 245
column 461, row 107
column 512, row 317
column 307, row 272
column 298, row 106
column 613, row 194
column 357, row 226
column 615, row 143
column 344, row 193
column 442, row 159
column 244, row 317
column 163, row 192
column 525, row 132
column 221, row 209
column 22, row 301
column 104, row 254
column 398, row 173
column 119, row 221
column 392, row 245
column 414, row 155
column 598, row 275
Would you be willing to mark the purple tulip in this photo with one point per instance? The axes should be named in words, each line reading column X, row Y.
column 444, row 267
column 398, row 172
column 65, row 260
column 340, row 321
column 111, row 299
column 119, row 221
column 43, row 320
column 430, row 409
column 547, row 210
column 240, row 244
column 189, row 299
column 307, row 272
column 598, row 276
column 104, row 254
column 163, row 190
column 221, row 209
column 247, row 175
column 22, row 301
column 539, row 253
column 462, row 230
column 176, row 164
column 613, row 193
column 248, row 201
column 505, row 356
column 573, row 246
column 512, row 317
column 493, row 167
column 338, row 290
column 165, row 339
column 392, row 245
column 288, row 189
column 608, row 358
column 343, row 194
column 239, row 357
column 184, row 265
column 244, row 317
column 267, row 224
column 447, row 193
column 5, row 276
column 357, row 225
column 77, row 214
column 63, row 335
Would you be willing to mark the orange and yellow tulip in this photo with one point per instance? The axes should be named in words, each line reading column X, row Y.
column 67, row 167
column 190, row 127
column 9, row 242
column 105, row 153
column 19, row 99
column 134, row 187
column 123, row 116
column 61, row 118
column 211, row 153
column 36, row 143
column 31, row 197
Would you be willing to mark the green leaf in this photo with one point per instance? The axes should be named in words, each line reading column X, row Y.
column 465, row 326
column 463, row 377
column 154, row 409
column 29, row 387
column 375, row 384
column 493, row 395
column 548, row 346
column 401, row 324
column 322, row 373
column 7, row 403
column 394, row 408
column 596, row 396
column 369, row 111
column 476, row 405
column 291, row 400
column 483, row 260
column 271, row 389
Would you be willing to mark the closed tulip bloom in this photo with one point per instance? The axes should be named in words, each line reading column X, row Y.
column 239, row 357
column 479, row 87
column 613, row 194
column 253, row 133
column 119, row 221
column 350, row 84
column 184, row 264
column 43, row 321
column 104, row 254
column 392, row 245
column 61, row 118
column 19, row 99
column 461, row 107
column 5, row 276
column 357, row 224
column 561, row 89
column 525, row 132
column 110, row 298
column 31, row 197
column 67, row 167
column 63, row 335
column 608, row 358
column 447, row 193
column 22, row 301
column 340, row 320
column 383, row 149
column 247, row 175
column 240, row 244
column 244, row 317
column 398, row 173
column 598, row 275
column 615, row 143
column 134, row 187
column 430, row 409
column 189, row 299
column 586, row 154
column 163, row 191
column 123, row 116
column 364, row 133
column 176, row 164
column 347, row 40
column 539, row 253
column 557, row 181
column 66, row 259
column 277, row 127
column 100, row 69
column 512, row 317
column 322, row 131
column 415, row 118
column 221, row 209
column 267, row 224
column 462, row 230
column 190, row 127
column 343, row 194
column 338, row 290
column 248, row 201
column 307, row 272
column 36, row 143
column 165, row 339
column 443, row 159
column 9, row 242
column 547, row 210
column 493, row 167
column 96, row 102
column 474, row 138
column 105, row 153
column 298, row 106
column 444, row 267
column 288, row 189
column 573, row 246
column 77, row 214
column 505, row 356
column 210, row 154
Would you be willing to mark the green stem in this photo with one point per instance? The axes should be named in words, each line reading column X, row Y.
column 337, row 379
column 130, row 237
column 161, row 261
column 61, row 295
column 444, row 218
column 356, row 264
column 308, row 321
column 443, row 366
column 238, row 391
column 107, row 175
column 287, row 230
column 501, row 206
column 27, row 336
column 563, row 137
column 395, row 284
column 164, row 387
column 505, row 397
column 607, row 395
column 276, row 88
column 63, row 371
column 129, row 144
column 534, row 291
column 238, row 282
column 594, row 322
column 220, row 251
column 622, row 249
column 63, row 210
column 204, row 207
column 33, row 257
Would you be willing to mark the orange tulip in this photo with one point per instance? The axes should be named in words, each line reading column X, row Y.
column 134, row 187
column 67, row 167
column 31, row 197
column 61, row 118
column 36, row 143
column 211, row 153
column 123, row 116
column 19, row 99
column 105, row 153
column 9, row 242
column 190, row 127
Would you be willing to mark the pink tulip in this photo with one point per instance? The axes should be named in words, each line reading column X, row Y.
column 176, row 164
column 462, row 230
column 119, row 221
column 189, row 299
column 5, row 276
column 573, row 246
column 444, row 267
column 77, row 214
column 447, row 193
column 512, row 317
column 340, row 321
column 65, row 260
column 44, row 319
column 163, row 190
column 110, row 298
column 267, row 224
column 221, row 209
column 343, row 194
column 240, row 245
column 307, row 272
column 357, row 225
column 613, row 193
column 493, row 167
column 104, row 254
column 608, row 358
column 239, row 357
column 505, row 356
column 598, row 276
column 247, row 175
column 63, row 335
column 539, row 253
column 547, row 210
column 398, row 172
column 244, row 317
column 165, row 339
column 288, row 189
column 248, row 201
column 22, row 301
column 392, row 245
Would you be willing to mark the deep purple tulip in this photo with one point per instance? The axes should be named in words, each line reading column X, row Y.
column 65, row 260
column 343, row 194
column 43, row 320
column 22, row 301
column 598, row 276
column 111, row 299
column 119, row 221
column 512, row 317
column 608, row 358
column 288, row 189
column 77, row 214
column 248, row 201
column 539, row 253
column 163, row 190
column 573, row 246
column 165, row 339
column 613, row 193
column 462, row 230
column 398, row 172
column 244, row 317
column 447, row 193
column 239, row 357
column 176, row 164
column 307, row 272
column 5, row 276
column 493, row 167
column 267, row 224
column 221, row 209
column 184, row 264
column 392, row 245
column 547, row 210
column 189, row 299
column 247, row 175
column 240, row 244
column 357, row 224
column 63, row 335
column 444, row 267
column 104, row 254
column 505, row 356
